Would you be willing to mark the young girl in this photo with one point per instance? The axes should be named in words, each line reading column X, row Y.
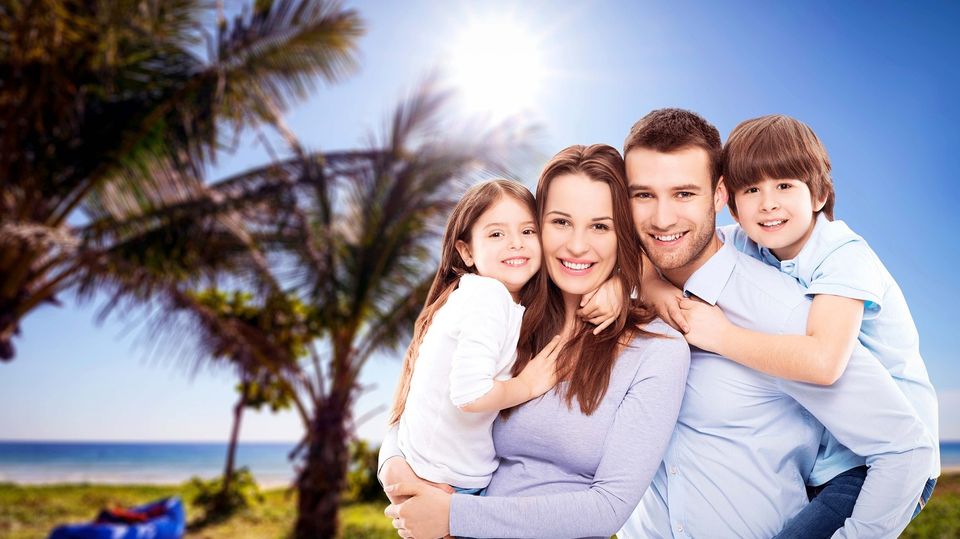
column 455, row 377
column 778, row 173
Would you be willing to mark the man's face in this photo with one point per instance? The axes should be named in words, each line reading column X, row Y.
column 674, row 207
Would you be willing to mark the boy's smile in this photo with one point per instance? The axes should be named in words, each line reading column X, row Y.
column 778, row 214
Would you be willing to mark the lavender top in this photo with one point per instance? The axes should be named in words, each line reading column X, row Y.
column 565, row 474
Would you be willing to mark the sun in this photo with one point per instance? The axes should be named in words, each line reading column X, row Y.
column 497, row 67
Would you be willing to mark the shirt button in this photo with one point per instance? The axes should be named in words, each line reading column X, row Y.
column 673, row 470
column 680, row 528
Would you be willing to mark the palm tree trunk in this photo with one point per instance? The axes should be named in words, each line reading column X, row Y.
column 322, row 480
column 234, row 437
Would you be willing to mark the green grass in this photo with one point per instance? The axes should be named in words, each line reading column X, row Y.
column 32, row 511
column 29, row 512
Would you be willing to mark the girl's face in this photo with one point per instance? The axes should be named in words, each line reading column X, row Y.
column 778, row 214
column 577, row 232
column 504, row 244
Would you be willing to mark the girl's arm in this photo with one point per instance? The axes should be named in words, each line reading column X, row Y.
column 819, row 357
column 538, row 377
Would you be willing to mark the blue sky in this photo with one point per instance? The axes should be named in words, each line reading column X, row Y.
column 877, row 81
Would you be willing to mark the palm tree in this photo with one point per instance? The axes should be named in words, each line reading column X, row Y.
column 109, row 114
column 354, row 241
column 257, row 386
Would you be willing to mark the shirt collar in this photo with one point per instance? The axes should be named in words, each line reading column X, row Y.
column 792, row 266
column 708, row 282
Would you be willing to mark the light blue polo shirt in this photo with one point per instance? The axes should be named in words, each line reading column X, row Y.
column 837, row 261
column 745, row 442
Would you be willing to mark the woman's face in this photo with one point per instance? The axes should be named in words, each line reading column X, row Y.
column 579, row 242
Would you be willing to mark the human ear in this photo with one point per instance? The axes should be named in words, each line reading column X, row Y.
column 720, row 195
column 818, row 204
column 464, row 249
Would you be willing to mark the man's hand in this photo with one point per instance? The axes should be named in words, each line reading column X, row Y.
column 425, row 513
column 707, row 324
column 603, row 306
column 665, row 300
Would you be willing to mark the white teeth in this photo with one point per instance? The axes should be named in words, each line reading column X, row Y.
column 515, row 261
column 574, row 266
column 772, row 223
column 668, row 238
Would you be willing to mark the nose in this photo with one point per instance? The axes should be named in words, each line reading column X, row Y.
column 577, row 243
column 769, row 202
column 515, row 243
column 664, row 216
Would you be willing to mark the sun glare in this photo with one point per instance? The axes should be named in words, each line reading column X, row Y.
column 497, row 67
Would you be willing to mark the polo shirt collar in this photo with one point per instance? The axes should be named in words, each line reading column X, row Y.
column 708, row 282
column 792, row 266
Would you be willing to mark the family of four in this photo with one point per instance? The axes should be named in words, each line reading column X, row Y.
column 603, row 359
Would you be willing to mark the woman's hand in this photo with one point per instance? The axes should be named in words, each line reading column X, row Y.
column 665, row 300
column 540, row 374
column 425, row 513
column 396, row 470
column 603, row 306
column 706, row 324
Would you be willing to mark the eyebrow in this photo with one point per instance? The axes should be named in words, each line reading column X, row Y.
column 685, row 187
column 571, row 217
column 505, row 224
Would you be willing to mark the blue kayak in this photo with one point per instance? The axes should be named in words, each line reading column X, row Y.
column 162, row 519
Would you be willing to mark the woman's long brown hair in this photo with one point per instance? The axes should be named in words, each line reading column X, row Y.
column 477, row 200
column 586, row 361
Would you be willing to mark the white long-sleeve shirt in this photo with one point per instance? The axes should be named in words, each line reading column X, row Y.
column 471, row 342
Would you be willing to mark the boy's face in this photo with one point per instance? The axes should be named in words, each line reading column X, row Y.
column 778, row 214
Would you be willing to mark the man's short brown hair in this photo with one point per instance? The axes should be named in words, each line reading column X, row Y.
column 777, row 147
column 671, row 130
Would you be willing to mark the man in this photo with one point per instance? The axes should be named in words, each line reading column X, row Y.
column 745, row 442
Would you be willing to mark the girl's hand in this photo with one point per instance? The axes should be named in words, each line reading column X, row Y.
column 707, row 324
column 665, row 300
column 603, row 306
column 540, row 374
column 425, row 513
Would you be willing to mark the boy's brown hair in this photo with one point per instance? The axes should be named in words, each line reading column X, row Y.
column 777, row 147
column 671, row 130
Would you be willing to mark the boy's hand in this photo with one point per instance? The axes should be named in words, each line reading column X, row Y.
column 665, row 300
column 707, row 324
column 603, row 306
column 540, row 374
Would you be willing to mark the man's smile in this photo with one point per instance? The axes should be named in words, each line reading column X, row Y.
column 668, row 239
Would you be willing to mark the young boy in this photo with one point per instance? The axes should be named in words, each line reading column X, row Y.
column 778, row 175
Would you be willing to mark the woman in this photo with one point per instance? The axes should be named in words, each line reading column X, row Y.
column 575, row 462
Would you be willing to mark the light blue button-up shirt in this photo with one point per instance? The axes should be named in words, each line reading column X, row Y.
column 837, row 261
column 745, row 442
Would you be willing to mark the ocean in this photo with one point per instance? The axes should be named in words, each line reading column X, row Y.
column 138, row 462
column 173, row 462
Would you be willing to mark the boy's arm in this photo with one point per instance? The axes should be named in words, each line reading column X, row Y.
column 819, row 357
column 867, row 412
column 536, row 379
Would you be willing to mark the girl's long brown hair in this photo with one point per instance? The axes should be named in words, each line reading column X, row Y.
column 586, row 361
column 477, row 200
